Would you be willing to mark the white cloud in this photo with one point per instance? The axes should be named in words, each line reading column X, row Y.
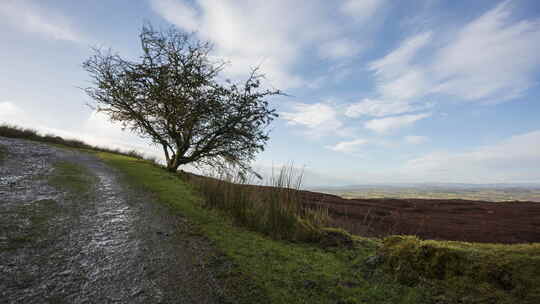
column 415, row 139
column 177, row 13
column 360, row 9
column 339, row 48
column 8, row 109
column 380, row 108
column 516, row 159
column 318, row 116
column 270, row 33
column 492, row 58
column 411, row 84
column 399, row 61
column 26, row 16
column 384, row 125
column 397, row 77
column 348, row 146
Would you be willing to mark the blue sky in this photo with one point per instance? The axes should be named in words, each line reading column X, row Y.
column 380, row 91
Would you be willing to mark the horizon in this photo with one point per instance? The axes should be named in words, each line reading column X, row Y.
column 380, row 92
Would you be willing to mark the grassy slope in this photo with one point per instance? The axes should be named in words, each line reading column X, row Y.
column 407, row 270
column 273, row 271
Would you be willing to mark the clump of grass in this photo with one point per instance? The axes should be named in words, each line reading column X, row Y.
column 275, row 210
column 73, row 178
column 485, row 273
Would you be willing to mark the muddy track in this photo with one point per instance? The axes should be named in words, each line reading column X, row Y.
column 111, row 245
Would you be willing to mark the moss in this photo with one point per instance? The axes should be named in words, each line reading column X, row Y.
column 505, row 273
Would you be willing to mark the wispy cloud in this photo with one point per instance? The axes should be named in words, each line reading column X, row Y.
column 492, row 58
column 388, row 124
column 399, row 61
column 350, row 147
column 319, row 118
column 515, row 159
column 270, row 33
column 339, row 48
column 415, row 139
column 26, row 16
column 361, row 10
column 380, row 108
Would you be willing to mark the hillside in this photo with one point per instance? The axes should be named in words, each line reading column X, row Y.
column 233, row 261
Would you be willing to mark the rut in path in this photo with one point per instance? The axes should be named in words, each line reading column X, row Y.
column 114, row 245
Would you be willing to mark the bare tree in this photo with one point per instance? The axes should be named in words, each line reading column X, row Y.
column 174, row 96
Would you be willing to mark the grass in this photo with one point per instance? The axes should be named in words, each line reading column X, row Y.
column 276, row 211
column 481, row 273
column 73, row 178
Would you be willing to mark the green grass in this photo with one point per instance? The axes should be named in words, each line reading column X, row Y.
column 73, row 178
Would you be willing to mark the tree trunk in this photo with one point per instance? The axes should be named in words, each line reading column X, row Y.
column 173, row 163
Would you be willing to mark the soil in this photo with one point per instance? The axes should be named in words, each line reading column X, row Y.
column 459, row 220
column 114, row 245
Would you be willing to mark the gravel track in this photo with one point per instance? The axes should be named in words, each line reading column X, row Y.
column 114, row 245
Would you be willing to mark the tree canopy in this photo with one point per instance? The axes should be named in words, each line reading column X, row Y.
column 174, row 95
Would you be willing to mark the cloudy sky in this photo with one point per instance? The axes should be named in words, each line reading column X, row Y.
column 380, row 91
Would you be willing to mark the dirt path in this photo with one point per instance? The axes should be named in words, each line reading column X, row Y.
column 111, row 245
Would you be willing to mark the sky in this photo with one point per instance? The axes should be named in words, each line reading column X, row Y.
column 378, row 91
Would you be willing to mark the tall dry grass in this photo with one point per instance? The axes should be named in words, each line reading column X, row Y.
column 274, row 209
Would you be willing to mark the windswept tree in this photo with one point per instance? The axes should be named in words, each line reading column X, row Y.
column 174, row 95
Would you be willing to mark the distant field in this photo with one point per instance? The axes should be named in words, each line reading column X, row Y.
column 483, row 194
